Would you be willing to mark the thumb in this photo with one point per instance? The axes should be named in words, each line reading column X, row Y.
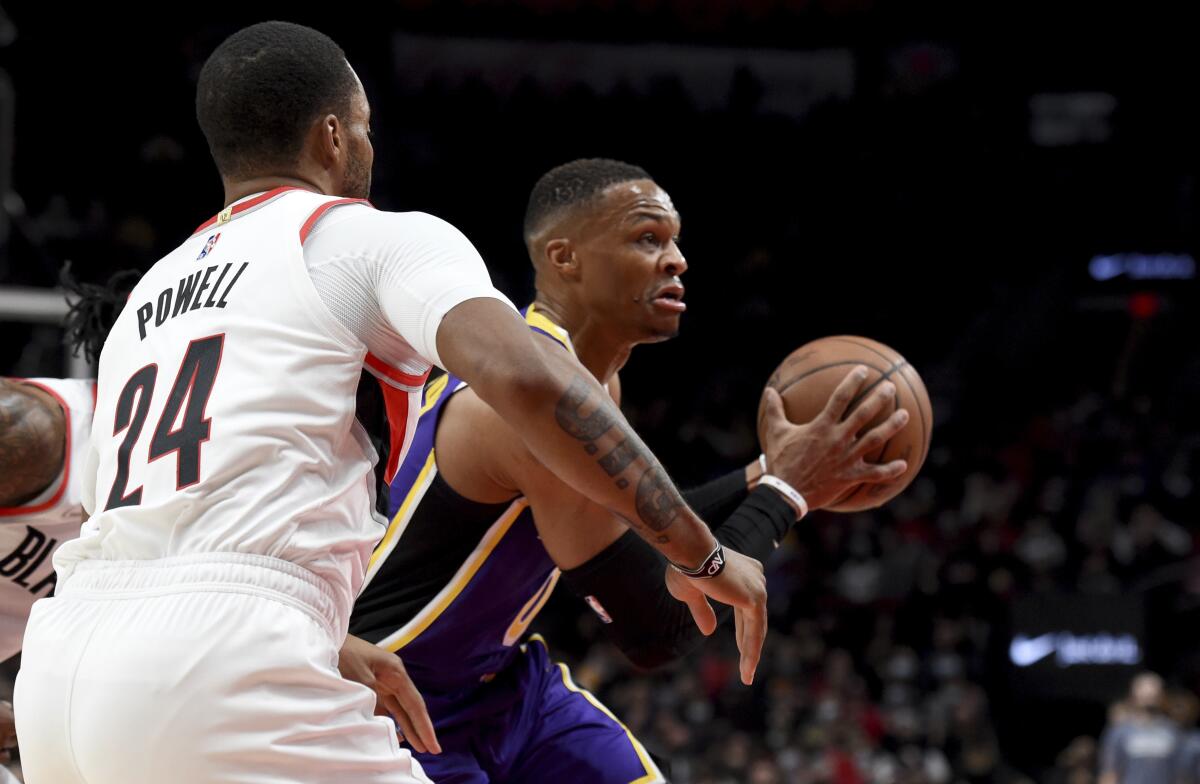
column 702, row 613
column 774, row 414
column 697, row 603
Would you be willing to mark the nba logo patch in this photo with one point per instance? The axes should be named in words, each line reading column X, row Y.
column 595, row 604
column 208, row 246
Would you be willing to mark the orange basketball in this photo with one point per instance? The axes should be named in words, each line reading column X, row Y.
column 807, row 378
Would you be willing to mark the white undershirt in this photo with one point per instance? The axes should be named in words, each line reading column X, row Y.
column 390, row 278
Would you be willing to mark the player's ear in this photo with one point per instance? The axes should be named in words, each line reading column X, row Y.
column 326, row 140
column 560, row 257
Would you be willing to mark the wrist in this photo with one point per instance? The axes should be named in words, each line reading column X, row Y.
column 710, row 567
column 754, row 471
column 691, row 543
column 789, row 493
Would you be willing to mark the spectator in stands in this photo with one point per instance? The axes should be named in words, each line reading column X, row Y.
column 1144, row 745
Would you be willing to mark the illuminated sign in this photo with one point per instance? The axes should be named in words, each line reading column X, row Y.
column 1073, row 646
column 1070, row 649
column 1143, row 266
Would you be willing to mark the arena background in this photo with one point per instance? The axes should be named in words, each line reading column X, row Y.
column 1008, row 196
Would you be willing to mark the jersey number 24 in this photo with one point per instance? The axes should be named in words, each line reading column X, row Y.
column 194, row 384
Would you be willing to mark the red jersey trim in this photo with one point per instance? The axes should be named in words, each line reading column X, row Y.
column 12, row 511
column 396, row 402
column 230, row 213
column 382, row 368
column 307, row 228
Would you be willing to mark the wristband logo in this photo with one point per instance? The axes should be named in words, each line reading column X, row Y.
column 716, row 564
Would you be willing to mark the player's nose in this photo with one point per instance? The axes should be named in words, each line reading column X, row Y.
column 672, row 262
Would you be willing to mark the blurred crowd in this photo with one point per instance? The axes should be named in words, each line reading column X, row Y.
column 1066, row 445
column 882, row 666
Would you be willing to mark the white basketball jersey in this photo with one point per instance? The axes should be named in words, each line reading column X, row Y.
column 225, row 417
column 30, row 533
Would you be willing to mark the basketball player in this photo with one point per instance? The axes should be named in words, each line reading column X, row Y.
column 482, row 530
column 194, row 632
column 44, row 427
column 44, row 424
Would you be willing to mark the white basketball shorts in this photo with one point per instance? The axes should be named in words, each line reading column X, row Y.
column 196, row 670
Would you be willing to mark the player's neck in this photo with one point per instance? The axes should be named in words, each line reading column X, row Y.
column 598, row 349
column 240, row 189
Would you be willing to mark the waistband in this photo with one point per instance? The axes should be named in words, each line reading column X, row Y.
column 259, row 575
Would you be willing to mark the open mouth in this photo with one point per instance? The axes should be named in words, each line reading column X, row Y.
column 670, row 298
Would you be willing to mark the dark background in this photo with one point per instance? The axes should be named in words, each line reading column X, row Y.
column 935, row 178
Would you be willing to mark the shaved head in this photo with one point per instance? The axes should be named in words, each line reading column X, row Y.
column 571, row 185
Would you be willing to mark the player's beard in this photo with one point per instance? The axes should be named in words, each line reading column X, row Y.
column 358, row 178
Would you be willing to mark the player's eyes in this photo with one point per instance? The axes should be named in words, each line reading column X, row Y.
column 649, row 238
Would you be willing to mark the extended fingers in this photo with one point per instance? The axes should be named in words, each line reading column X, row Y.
column 845, row 393
column 885, row 472
column 876, row 437
column 751, row 624
column 872, row 406
column 403, row 692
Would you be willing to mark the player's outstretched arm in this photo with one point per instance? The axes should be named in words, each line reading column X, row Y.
column 569, row 423
column 482, row 457
column 32, row 442
column 616, row 572
column 571, row 426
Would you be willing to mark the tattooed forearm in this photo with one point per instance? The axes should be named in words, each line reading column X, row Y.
column 570, row 416
column 657, row 501
column 620, row 457
column 32, row 443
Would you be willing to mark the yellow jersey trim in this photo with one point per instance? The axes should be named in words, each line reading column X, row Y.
column 653, row 774
column 430, row 612
column 531, row 609
column 534, row 318
column 403, row 515
column 433, row 393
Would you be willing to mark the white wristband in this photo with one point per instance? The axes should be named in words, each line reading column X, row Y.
column 788, row 492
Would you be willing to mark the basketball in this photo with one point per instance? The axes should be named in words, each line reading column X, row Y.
column 807, row 377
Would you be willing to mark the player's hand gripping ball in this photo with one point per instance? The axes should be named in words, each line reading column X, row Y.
column 807, row 377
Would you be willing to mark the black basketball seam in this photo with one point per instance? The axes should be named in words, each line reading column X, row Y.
column 925, row 441
column 780, row 389
column 883, row 375
column 883, row 449
column 921, row 411
column 872, row 349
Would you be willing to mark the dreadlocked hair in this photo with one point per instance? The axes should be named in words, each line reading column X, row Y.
column 94, row 308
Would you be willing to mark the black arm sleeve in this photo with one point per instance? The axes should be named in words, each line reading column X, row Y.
column 624, row 582
column 717, row 499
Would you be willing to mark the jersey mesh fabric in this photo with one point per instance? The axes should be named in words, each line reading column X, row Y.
column 351, row 255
